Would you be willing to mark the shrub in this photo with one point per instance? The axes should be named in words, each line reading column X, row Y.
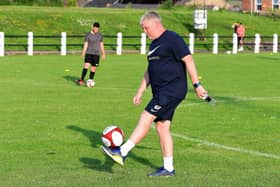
column 168, row 4
column 33, row 2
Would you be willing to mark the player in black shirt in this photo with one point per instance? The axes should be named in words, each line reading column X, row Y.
column 169, row 59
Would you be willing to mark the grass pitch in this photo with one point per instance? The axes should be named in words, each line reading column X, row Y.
column 50, row 128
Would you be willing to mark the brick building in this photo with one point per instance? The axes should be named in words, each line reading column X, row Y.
column 145, row 1
column 119, row 3
column 260, row 5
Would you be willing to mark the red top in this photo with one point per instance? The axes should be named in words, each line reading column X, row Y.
column 240, row 31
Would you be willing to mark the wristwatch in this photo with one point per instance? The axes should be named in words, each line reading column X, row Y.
column 196, row 85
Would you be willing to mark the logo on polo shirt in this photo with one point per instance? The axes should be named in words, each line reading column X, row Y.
column 153, row 50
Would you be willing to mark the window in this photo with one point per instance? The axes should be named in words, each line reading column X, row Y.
column 259, row 5
column 275, row 4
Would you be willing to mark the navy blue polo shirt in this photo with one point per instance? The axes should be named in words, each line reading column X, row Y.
column 167, row 72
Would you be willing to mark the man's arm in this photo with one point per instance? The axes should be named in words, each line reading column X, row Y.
column 102, row 50
column 191, row 68
column 85, row 48
column 144, row 84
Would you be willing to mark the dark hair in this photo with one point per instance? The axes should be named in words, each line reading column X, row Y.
column 96, row 24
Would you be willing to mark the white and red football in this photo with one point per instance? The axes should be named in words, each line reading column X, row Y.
column 90, row 83
column 112, row 136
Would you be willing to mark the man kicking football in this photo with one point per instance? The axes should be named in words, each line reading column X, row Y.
column 168, row 60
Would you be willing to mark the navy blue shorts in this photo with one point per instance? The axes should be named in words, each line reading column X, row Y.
column 163, row 107
column 92, row 59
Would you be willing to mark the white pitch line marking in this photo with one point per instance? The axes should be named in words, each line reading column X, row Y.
column 235, row 99
column 236, row 149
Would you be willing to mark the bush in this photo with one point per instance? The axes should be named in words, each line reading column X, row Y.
column 33, row 2
column 168, row 4
column 72, row 3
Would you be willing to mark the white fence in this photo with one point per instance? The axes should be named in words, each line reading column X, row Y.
column 2, row 44
column 143, row 44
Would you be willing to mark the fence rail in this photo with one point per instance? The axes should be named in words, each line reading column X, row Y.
column 118, row 43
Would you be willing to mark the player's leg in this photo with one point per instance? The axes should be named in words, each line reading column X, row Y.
column 143, row 127
column 92, row 72
column 241, row 44
column 87, row 61
column 141, row 130
column 150, row 114
column 163, row 123
column 85, row 69
column 94, row 64
column 84, row 72
column 166, row 143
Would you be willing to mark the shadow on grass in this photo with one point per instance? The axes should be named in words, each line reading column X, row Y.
column 269, row 58
column 71, row 78
column 97, row 165
column 93, row 136
column 95, row 140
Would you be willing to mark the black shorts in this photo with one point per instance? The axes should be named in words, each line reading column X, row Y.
column 163, row 107
column 92, row 59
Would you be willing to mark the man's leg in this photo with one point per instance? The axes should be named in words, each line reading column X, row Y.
column 241, row 44
column 143, row 127
column 141, row 130
column 166, row 143
column 94, row 64
column 84, row 72
column 92, row 72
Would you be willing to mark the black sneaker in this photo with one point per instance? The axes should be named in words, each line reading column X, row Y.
column 161, row 172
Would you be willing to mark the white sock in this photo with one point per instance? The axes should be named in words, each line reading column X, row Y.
column 126, row 147
column 168, row 163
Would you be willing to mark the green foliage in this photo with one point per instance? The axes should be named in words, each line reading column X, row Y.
column 78, row 20
column 32, row 2
column 167, row 4
column 72, row 3
column 129, row 5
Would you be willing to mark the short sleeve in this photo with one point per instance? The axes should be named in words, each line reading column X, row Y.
column 101, row 38
column 86, row 38
column 179, row 47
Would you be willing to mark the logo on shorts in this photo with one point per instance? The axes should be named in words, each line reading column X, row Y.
column 156, row 108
